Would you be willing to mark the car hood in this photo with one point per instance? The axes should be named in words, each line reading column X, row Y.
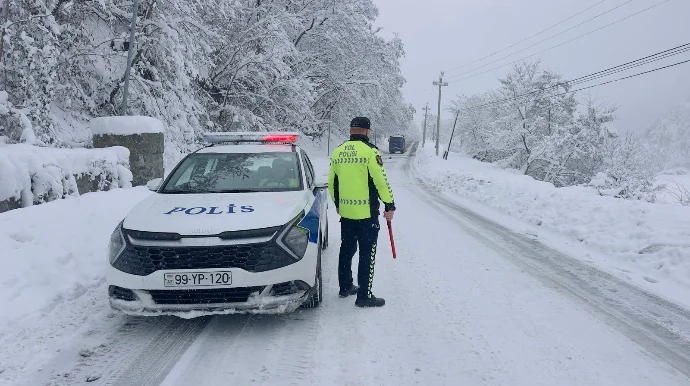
column 211, row 214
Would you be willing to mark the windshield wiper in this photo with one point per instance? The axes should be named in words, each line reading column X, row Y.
column 233, row 191
column 172, row 191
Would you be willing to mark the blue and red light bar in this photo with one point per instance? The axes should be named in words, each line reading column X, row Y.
column 270, row 137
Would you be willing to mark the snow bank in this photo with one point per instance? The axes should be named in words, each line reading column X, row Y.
column 39, row 174
column 654, row 237
column 127, row 125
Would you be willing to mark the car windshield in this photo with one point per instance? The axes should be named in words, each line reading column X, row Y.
column 396, row 140
column 236, row 173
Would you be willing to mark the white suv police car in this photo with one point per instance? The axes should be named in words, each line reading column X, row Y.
column 237, row 226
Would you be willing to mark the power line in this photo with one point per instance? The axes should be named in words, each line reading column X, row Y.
column 456, row 79
column 579, row 89
column 636, row 63
column 632, row 76
column 552, row 36
column 613, row 70
column 602, row 74
column 528, row 38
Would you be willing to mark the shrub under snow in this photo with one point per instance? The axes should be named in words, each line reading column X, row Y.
column 37, row 174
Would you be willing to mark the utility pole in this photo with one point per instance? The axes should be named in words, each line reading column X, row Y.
column 132, row 31
column 426, row 111
column 440, row 84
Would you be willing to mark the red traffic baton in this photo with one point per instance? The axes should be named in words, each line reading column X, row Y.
column 390, row 233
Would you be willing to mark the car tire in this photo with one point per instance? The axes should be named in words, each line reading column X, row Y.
column 314, row 300
column 324, row 238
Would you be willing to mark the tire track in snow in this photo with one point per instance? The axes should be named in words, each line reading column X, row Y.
column 297, row 358
column 157, row 358
column 137, row 352
column 245, row 349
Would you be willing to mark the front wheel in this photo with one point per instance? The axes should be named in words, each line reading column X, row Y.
column 315, row 299
column 324, row 238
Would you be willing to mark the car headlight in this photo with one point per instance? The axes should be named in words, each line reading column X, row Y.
column 117, row 244
column 295, row 239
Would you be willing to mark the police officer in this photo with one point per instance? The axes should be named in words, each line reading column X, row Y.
column 356, row 183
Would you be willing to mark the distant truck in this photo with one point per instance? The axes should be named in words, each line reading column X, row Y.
column 396, row 143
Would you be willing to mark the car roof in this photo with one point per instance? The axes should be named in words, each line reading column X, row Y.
column 247, row 148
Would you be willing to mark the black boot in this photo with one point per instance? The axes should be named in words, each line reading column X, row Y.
column 352, row 291
column 373, row 301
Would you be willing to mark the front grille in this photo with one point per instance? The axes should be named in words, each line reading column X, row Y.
column 145, row 260
column 203, row 296
column 121, row 293
column 230, row 235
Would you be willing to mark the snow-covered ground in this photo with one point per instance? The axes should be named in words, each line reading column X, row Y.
column 652, row 239
column 53, row 260
column 468, row 302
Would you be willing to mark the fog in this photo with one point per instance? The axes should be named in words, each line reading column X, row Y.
column 444, row 34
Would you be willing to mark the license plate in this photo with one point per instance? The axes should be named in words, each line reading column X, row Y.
column 196, row 279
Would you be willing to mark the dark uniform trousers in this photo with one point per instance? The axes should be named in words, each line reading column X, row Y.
column 354, row 233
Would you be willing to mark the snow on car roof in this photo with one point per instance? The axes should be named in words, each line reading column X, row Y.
column 246, row 148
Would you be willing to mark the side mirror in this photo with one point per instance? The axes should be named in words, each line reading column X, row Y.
column 154, row 184
column 321, row 183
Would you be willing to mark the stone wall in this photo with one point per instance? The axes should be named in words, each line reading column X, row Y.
column 145, row 153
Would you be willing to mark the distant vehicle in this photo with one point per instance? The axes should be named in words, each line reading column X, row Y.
column 238, row 225
column 396, row 143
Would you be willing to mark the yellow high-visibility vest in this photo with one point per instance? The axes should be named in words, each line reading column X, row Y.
column 357, row 179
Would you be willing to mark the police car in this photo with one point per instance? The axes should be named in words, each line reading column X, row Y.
column 237, row 226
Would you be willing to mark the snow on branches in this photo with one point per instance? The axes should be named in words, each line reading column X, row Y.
column 198, row 65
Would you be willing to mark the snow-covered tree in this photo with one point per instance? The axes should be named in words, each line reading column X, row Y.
column 670, row 137
column 198, row 65
column 29, row 53
column 627, row 172
column 532, row 122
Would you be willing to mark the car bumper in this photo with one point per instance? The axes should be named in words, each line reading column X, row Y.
column 256, row 304
column 275, row 291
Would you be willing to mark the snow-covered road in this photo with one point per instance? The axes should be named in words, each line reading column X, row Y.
column 469, row 302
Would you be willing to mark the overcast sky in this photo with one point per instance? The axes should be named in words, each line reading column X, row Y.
column 444, row 34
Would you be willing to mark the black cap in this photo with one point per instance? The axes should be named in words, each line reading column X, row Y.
column 361, row 122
